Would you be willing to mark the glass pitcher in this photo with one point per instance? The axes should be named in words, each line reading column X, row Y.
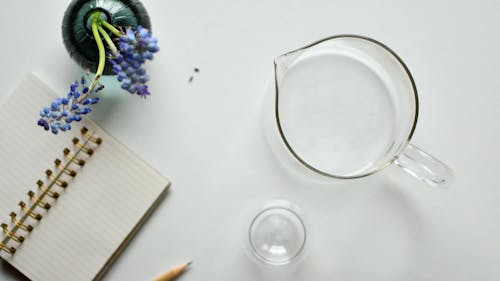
column 346, row 107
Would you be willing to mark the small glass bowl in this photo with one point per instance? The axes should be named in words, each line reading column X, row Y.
column 277, row 234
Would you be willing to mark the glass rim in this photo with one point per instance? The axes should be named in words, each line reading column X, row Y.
column 282, row 134
column 252, row 246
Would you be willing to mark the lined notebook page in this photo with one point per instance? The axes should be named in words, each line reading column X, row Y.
column 93, row 217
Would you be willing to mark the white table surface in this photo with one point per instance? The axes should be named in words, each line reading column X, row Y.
column 207, row 137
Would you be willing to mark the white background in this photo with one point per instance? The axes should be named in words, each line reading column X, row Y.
column 207, row 137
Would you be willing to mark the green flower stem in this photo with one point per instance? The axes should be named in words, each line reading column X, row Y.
column 100, row 47
column 111, row 28
column 108, row 40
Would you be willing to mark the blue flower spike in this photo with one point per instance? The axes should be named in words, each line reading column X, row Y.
column 134, row 49
column 63, row 111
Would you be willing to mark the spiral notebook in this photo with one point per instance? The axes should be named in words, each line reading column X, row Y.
column 68, row 203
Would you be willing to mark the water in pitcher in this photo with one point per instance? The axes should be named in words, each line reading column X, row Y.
column 336, row 111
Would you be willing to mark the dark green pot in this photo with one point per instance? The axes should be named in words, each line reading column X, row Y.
column 77, row 36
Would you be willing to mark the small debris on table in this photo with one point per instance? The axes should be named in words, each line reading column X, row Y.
column 191, row 78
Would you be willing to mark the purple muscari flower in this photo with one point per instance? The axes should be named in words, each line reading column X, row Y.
column 43, row 122
column 63, row 111
column 134, row 49
column 142, row 90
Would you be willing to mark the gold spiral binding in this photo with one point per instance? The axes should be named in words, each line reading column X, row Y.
column 55, row 180
column 87, row 135
column 47, row 191
column 12, row 235
column 66, row 170
column 29, row 212
column 72, row 157
column 9, row 250
column 38, row 201
column 19, row 220
column 82, row 147
column 18, row 223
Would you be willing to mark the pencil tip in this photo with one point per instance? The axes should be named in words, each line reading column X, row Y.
column 189, row 263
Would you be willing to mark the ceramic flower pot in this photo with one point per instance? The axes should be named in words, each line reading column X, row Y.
column 77, row 34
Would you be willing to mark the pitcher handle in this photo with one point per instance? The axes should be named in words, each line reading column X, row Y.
column 424, row 167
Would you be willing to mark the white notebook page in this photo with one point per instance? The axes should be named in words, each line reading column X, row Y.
column 93, row 217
